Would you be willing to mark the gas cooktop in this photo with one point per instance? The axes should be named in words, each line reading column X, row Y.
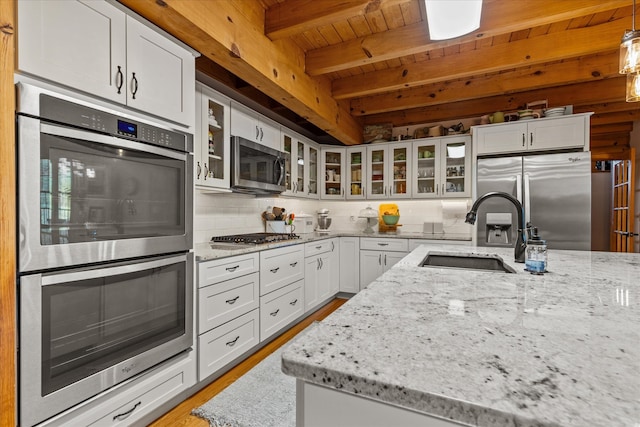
column 254, row 238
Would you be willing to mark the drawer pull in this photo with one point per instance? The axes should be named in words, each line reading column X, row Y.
column 234, row 268
column 275, row 270
column 232, row 343
column 383, row 244
column 294, row 302
column 319, row 247
column 124, row 415
column 275, row 313
column 293, row 264
column 232, row 300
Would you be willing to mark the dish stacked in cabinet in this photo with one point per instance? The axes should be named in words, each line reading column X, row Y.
column 281, row 288
column 228, row 310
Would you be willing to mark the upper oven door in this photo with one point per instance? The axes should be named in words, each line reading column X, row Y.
column 86, row 197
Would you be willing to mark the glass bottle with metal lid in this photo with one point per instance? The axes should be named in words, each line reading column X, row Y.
column 536, row 254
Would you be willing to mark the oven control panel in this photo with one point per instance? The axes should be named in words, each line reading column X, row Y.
column 63, row 111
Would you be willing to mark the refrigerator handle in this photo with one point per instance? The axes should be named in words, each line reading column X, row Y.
column 527, row 205
column 519, row 187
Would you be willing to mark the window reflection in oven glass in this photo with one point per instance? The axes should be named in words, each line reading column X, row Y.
column 90, row 191
column 90, row 325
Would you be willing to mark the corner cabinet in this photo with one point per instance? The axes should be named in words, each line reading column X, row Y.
column 254, row 127
column 332, row 173
column 388, row 170
column 97, row 48
column 552, row 133
column 441, row 167
column 212, row 139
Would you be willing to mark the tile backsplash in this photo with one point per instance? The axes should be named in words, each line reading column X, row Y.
column 223, row 214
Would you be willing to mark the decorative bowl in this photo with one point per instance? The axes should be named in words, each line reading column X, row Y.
column 390, row 219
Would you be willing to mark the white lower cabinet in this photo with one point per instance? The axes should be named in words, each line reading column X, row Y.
column 133, row 402
column 349, row 264
column 281, row 307
column 221, row 345
column 321, row 273
column 280, row 266
column 377, row 255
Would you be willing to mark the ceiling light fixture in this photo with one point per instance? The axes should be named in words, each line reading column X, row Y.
column 630, row 59
column 448, row 19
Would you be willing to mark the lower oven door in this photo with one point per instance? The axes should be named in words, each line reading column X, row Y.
column 83, row 331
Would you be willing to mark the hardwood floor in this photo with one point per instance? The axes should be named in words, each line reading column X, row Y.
column 180, row 416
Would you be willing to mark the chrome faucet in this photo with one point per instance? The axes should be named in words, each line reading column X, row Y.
column 521, row 246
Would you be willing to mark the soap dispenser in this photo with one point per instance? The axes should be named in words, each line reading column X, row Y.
column 536, row 255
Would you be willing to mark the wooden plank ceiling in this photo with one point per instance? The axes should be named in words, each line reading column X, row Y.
column 334, row 66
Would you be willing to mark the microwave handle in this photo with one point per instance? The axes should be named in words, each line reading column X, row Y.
column 280, row 166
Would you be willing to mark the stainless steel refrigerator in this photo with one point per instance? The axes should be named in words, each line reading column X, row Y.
column 554, row 189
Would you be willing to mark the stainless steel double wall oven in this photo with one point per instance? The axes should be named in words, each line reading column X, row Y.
column 105, row 268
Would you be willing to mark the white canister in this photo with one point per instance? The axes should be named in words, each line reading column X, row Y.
column 303, row 224
column 277, row 227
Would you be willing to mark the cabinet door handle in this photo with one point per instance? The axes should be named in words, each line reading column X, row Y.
column 232, row 343
column 531, row 138
column 234, row 268
column 379, row 259
column 206, row 171
column 294, row 302
column 385, row 259
column 321, row 263
column 232, row 300
column 198, row 170
column 443, row 189
column 318, row 262
column 275, row 313
column 293, row 264
column 125, row 415
column 119, row 79
column 333, row 246
column 275, row 270
column 135, row 85
column 261, row 134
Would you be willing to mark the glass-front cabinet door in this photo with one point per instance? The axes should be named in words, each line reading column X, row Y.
column 400, row 186
column 455, row 170
column 426, row 168
column 312, row 171
column 212, row 143
column 356, row 172
column 331, row 173
column 288, row 147
column 300, row 185
column 376, row 187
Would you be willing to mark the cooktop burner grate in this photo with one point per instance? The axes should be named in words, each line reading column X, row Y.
column 255, row 238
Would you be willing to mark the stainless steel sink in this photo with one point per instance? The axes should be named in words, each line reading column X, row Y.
column 489, row 262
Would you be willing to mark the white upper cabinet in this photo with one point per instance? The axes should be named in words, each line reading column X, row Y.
column 254, row 127
column 212, row 142
column 301, row 169
column 554, row 133
column 94, row 47
column 332, row 177
column 356, row 170
column 441, row 167
column 388, row 168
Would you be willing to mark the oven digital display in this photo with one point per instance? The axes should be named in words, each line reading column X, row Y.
column 128, row 129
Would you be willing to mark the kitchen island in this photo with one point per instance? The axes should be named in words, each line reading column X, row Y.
column 443, row 346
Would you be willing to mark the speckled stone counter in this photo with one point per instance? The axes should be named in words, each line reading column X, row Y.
column 207, row 251
column 489, row 348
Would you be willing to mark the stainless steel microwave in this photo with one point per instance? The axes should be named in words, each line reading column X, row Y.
column 256, row 168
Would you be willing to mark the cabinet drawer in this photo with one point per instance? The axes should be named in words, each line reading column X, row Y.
column 221, row 345
column 221, row 302
column 280, row 308
column 219, row 270
column 280, row 267
column 319, row 247
column 378, row 244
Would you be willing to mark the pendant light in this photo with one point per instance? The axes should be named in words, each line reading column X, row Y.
column 630, row 47
column 630, row 59
column 452, row 18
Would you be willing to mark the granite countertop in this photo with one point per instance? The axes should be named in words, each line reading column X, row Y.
column 205, row 251
column 488, row 348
